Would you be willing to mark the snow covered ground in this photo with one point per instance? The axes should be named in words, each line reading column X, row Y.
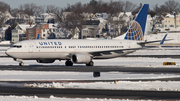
column 120, row 85
column 122, row 61
column 52, row 98
column 159, row 36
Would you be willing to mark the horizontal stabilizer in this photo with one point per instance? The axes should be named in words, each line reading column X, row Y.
column 161, row 41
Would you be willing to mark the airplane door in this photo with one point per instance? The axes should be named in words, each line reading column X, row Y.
column 77, row 48
column 129, row 44
column 30, row 47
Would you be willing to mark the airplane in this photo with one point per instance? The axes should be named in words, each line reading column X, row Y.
column 83, row 51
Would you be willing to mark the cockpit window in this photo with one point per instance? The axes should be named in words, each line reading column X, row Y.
column 17, row 46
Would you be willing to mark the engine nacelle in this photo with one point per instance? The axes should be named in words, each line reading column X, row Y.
column 45, row 61
column 80, row 58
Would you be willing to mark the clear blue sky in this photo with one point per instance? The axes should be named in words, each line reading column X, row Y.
column 63, row 3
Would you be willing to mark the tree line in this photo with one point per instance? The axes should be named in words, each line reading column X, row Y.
column 94, row 6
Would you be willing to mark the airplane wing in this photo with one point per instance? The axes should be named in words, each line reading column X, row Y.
column 119, row 52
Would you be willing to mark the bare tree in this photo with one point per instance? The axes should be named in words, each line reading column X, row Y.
column 4, row 7
column 116, row 7
column 129, row 6
column 73, row 21
column 160, row 10
column 14, row 11
column 117, row 24
column 39, row 10
column 29, row 9
column 100, row 6
column 2, row 21
column 172, row 6
column 52, row 9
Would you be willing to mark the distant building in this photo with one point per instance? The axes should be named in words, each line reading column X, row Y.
column 126, row 16
column 2, row 33
column 63, row 16
column 21, row 18
column 19, row 32
column 90, row 29
column 89, row 16
column 6, row 15
column 104, row 16
column 43, row 29
column 61, row 33
column 46, row 18
column 172, row 23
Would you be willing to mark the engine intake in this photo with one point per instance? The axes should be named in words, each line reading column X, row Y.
column 80, row 58
column 45, row 61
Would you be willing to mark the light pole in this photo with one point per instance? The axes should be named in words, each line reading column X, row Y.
column 175, row 18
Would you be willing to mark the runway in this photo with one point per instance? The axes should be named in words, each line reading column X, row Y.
column 90, row 93
column 93, row 68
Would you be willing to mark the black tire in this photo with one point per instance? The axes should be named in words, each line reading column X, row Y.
column 68, row 63
column 91, row 63
column 21, row 64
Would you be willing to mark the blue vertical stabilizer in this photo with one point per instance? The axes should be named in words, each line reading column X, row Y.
column 137, row 29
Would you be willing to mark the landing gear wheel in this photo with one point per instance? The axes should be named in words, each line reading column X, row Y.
column 69, row 63
column 21, row 64
column 91, row 63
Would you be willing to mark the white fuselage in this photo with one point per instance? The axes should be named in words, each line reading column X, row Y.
column 61, row 49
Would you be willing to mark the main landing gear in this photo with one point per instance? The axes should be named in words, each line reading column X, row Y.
column 91, row 63
column 69, row 63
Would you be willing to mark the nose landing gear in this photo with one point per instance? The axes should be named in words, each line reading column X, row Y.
column 20, row 62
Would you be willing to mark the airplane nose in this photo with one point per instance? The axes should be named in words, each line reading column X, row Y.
column 7, row 52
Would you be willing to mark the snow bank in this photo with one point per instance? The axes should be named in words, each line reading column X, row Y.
column 120, row 85
column 52, row 98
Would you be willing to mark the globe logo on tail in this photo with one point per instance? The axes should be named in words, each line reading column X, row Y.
column 134, row 32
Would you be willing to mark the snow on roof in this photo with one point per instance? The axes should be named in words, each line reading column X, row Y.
column 169, row 16
column 102, row 20
column 4, row 28
column 30, row 26
column 45, row 14
column 24, row 26
column 53, row 26
column 126, row 13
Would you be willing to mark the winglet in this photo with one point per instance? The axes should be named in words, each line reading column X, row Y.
column 162, row 41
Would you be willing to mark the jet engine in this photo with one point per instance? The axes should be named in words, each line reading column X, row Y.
column 45, row 61
column 81, row 58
